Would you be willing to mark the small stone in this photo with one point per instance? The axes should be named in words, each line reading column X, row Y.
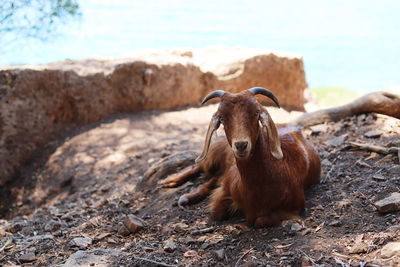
column 335, row 223
column 81, row 242
column 390, row 249
column 326, row 162
column 296, row 227
column 379, row 178
column 170, row 246
column 336, row 141
column 27, row 257
column 305, row 262
column 190, row 253
column 220, row 254
column 389, row 204
column 359, row 246
column 133, row 223
column 373, row 134
column 122, row 230
column 180, row 226
column 317, row 129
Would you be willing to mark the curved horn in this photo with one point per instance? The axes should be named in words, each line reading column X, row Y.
column 266, row 92
column 213, row 94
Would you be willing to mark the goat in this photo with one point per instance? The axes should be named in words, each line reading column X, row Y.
column 255, row 169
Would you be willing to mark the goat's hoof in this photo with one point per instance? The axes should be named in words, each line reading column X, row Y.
column 183, row 200
column 168, row 184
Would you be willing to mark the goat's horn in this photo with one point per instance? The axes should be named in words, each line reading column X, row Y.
column 266, row 92
column 213, row 94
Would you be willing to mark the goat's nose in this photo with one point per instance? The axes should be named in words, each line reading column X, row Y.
column 241, row 146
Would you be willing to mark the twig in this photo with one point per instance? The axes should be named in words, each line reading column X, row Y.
column 241, row 257
column 155, row 262
column 377, row 149
column 203, row 231
column 8, row 242
column 308, row 257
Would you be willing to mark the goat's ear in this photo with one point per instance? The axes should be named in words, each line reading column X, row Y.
column 212, row 127
column 273, row 137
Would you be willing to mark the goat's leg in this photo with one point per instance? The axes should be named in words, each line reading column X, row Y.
column 199, row 193
column 181, row 178
column 221, row 205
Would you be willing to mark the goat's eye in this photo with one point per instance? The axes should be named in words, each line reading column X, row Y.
column 222, row 120
column 257, row 113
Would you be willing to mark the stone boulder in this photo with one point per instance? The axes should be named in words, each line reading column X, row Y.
column 37, row 102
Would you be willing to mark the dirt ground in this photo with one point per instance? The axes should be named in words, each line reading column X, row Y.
column 67, row 205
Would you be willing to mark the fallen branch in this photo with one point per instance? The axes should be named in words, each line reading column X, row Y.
column 377, row 149
column 241, row 257
column 378, row 102
column 155, row 262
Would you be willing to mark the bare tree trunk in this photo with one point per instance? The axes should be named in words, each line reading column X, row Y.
column 378, row 102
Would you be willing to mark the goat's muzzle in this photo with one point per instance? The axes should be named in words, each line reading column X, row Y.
column 241, row 148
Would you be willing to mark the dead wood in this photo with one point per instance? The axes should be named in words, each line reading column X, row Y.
column 378, row 102
column 377, row 149
column 168, row 165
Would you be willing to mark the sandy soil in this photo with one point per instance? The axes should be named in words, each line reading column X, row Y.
column 71, row 199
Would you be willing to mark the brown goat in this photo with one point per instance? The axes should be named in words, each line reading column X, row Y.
column 256, row 169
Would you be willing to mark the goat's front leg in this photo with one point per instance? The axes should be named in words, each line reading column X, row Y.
column 199, row 193
column 221, row 205
column 181, row 178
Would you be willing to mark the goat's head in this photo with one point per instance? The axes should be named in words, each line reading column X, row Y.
column 241, row 116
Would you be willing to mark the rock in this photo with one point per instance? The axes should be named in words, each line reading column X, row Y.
column 97, row 257
column 317, row 129
column 37, row 102
column 305, row 262
column 373, row 134
column 27, row 257
column 296, row 227
column 335, row 223
column 359, row 245
column 170, row 246
column 81, row 242
column 389, row 204
column 220, row 254
column 133, row 223
column 390, row 249
column 336, row 141
column 379, row 177
column 180, row 226
column 190, row 253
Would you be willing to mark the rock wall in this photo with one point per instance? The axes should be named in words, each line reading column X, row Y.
column 39, row 101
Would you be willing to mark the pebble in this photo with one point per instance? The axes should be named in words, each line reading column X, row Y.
column 336, row 141
column 389, row 204
column 170, row 246
column 81, row 242
column 335, row 223
column 220, row 254
column 27, row 257
column 133, row 223
column 296, row 227
column 373, row 134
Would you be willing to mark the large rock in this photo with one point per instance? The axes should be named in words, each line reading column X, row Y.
column 39, row 101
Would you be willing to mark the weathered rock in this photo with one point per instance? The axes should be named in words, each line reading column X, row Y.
column 133, row 223
column 390, row 249
column 295, row 227
column 81, row 242
column 170, row 246
column 27, row 257
column 97, row 257
column 336, row 141
column 389, row 204
column 37, row 102
column 373, row 134
column 220, row 254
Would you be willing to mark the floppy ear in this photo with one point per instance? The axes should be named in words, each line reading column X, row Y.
column 212, row 127
column 273, row 138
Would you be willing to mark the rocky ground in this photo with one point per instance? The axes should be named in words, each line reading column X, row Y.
column 75, row 203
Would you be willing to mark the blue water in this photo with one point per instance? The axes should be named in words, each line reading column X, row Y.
column 352, row 44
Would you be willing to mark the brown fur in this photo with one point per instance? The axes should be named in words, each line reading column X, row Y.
column 265, row 186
